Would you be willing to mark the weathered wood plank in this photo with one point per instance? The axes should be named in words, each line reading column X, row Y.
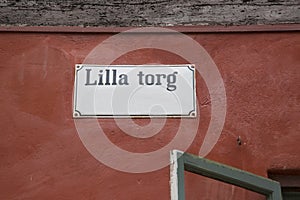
column 148, row 13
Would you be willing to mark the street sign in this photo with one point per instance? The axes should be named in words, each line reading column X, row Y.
column 115, row 91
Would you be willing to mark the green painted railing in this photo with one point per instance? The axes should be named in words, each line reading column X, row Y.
column 181, row 162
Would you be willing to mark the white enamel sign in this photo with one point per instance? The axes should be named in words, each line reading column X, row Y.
column 112, row 91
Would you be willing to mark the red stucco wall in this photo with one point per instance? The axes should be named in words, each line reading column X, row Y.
column 42, row 157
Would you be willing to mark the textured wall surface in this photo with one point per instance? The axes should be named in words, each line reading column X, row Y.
column 148, row 13
column 43, row 158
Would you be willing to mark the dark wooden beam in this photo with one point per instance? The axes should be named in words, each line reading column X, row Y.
column 92, row 13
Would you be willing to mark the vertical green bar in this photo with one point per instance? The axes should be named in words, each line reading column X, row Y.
column 180, row 175
column 276, row 195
